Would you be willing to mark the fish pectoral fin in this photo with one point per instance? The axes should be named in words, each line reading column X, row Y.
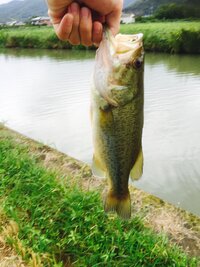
column 137, row 169
column 121, row 205
column 97, row 170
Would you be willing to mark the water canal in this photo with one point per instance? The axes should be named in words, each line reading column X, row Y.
column 45, row 95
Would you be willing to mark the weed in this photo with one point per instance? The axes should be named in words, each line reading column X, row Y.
column 170, row 37
column 68, row 224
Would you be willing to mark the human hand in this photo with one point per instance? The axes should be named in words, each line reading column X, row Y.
column 84, row 24
column 109, row 9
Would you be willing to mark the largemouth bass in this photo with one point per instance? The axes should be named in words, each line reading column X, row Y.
column 117, row 116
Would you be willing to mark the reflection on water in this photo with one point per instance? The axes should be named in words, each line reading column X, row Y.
column 45, row 95
column 171, row 133
column 181, row 64
column 62, row 55
column 48, row 97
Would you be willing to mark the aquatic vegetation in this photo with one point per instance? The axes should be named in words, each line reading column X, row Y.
column 61, row 223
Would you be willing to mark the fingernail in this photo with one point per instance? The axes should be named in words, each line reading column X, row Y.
column 97, row 29
column 85, row 12
column 74, row 7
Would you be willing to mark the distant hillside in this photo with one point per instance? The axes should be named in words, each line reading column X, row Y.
column 146, row 7
column 128, row 2
column 22, row 10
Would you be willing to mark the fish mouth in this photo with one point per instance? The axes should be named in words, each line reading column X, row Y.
column 114, row 54
column 128, row 47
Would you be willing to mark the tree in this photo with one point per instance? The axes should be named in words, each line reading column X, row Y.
column 175, row 11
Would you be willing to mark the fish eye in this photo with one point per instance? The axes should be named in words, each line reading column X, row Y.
column 138, row 63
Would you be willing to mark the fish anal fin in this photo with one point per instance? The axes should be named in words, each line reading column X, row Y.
column 121, row 205
column 137, row 169
column 97, row 169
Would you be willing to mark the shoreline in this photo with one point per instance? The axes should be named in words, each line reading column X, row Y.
column 178, row 37
column 181, row 227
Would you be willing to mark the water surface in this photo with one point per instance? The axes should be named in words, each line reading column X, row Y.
column 46, row 94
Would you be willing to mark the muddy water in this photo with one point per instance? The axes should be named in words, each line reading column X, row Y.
column 45, row 95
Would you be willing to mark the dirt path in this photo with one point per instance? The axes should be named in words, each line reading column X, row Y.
column 8, row 257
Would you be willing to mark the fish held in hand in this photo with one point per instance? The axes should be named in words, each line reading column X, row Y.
column 117, row 116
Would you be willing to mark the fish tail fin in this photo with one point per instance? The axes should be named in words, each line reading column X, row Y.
column 122, row 205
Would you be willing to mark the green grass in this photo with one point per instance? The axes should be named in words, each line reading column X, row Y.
column 170, row 37
column 64, row 221
column 32, row 37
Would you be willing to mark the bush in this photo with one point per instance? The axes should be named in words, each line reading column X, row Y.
column 190, row 41
column 175, row 11
column 170, row 37
column 173, row 37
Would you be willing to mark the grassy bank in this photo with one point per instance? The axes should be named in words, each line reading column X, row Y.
column 171, row 37
column 53, row 222
column 31, row 37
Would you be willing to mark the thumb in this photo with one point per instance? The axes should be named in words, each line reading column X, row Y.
column 113, row 21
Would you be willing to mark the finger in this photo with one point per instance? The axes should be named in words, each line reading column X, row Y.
column 113, row 22
column 97, row 33
column 74, row 37
column 64, row 28
column 57, row 9
column 85, row 27
column 113, row 19
column 97, row 17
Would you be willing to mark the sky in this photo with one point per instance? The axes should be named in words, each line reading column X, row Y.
column 4, row 1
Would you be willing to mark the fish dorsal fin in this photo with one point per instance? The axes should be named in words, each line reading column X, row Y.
column 97, row 170
column 137, row 169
